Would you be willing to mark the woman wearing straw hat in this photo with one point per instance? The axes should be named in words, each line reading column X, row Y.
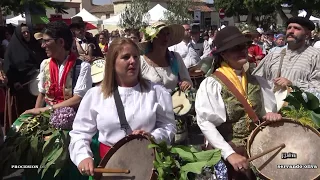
column 220, row 115
column 160, row 65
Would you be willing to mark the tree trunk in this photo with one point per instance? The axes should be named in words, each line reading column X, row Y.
column 281, row 13
column 1, row 17
column 236, row 19
column 250, row 18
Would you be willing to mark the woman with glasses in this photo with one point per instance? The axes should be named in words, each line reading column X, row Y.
column 220, row 115
column 21, row 64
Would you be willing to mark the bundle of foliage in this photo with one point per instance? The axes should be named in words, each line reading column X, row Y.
column 38, row 140
column 183, row 162
column 303, row 106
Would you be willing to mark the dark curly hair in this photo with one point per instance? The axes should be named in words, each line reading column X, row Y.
column 59, row 29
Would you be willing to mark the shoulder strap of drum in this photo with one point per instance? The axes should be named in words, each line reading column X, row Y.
column 282, row 54
column 76, row 72
column 120, row 109
column 252, row 115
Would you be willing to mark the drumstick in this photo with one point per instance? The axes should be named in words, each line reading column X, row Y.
column 104, row 170
column 180, row 105
column 26, row 83
column 266, row 152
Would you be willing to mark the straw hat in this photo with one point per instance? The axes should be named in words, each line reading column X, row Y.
column 97, row 70
column 176, row 33
column 38, row 36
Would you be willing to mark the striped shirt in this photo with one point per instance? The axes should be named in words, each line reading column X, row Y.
column 301, row 67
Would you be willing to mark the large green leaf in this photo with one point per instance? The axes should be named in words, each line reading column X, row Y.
column 50, row 142
column 293, row 101
column 55, row 157
column 185, row 155
column 194, row 167
column 212, row 156
column 316, row 118
column 313, row 101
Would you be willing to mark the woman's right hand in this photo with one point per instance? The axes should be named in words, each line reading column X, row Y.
column 86, row 167
column 238, row 162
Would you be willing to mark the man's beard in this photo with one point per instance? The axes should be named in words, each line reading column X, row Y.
column 297, row 40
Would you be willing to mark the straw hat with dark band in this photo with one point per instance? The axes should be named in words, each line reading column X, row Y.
column 176, row 34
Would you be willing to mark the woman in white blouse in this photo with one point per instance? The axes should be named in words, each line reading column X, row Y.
column 147, row 107
column 220, row 115
column 160, row 65
column 63, row 79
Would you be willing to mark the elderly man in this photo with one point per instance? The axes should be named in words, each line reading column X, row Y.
column 298, row 64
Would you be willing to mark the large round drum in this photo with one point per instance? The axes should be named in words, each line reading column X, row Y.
column 131, row 153
column 181, row 104
column 299, row 160
column 33, row 84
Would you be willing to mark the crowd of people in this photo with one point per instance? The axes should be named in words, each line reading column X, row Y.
column 141, row 71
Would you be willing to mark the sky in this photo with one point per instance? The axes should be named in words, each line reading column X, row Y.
column 100, row 2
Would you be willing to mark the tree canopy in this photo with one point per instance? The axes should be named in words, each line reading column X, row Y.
column 136, row 15
column 178, row 11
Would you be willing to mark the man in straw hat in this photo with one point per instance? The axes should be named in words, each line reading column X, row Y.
column 221, row 115
column 186, row 48
column 296, row 65
column 87, row 47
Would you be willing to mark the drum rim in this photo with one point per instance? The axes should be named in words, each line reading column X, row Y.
column 117, row 146
column 191, row 104
column 258, row 128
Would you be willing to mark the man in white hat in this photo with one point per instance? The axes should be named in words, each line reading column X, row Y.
column 300, row 63
column 186, row 48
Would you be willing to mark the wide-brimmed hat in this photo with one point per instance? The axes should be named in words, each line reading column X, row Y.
column 229, row 37
column 176, row 33
column 77, row 22
column 97, row 70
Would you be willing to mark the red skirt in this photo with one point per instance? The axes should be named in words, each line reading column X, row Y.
column 103, row 149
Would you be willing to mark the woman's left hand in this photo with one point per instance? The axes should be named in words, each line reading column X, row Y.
column 184, row 85
column 142, row 132
column 272, row 117
column 35, row 111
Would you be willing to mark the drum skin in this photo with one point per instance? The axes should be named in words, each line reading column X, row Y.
column 33, row 85
column 302, row 140
column 130, row 153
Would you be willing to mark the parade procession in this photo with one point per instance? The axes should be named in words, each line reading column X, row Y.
column 166, row 99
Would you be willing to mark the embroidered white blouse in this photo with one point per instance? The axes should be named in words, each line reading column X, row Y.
column 150, row 111
column 164, row 75
column 211, row 111
column 84, row 82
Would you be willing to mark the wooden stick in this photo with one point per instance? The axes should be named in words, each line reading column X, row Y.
column 104, row 170
column 266, row 152
column 178, row 106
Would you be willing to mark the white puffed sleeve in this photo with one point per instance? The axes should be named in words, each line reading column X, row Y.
column 211, row 113
column 269, row 100
column 84, row 128
column 165, row 128
column 84, row 82
column 41, row 76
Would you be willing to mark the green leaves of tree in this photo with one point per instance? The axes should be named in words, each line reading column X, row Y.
column 135, row 15
column 176, row 162
column 178, row 11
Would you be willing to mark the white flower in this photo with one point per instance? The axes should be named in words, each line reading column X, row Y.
column 151, row 31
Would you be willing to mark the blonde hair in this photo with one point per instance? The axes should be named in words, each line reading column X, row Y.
column 109, row 82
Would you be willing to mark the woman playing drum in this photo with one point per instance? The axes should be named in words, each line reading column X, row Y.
column 160, row 65
column 146, row 106
column 220, row 115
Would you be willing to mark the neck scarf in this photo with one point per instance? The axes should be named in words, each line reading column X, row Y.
column 231, row 75
column 56, row 88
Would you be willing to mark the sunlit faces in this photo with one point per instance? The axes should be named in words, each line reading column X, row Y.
column 236, row 56
column 102, row 39
column 52, row 46
column 187, row 31
column 134, row 38
column 25, row 33
column 280, row 41
column 127, row 64
column 162, row 38
column 79, row 32
column 295, row 33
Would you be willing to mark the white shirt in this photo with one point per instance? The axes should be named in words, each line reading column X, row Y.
column 84, row 82
column 211, row 111
column 203, row 49
column 187, row 52
column 150, row 111
column 164, row 75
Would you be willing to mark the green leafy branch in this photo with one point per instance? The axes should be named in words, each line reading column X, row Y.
column 182, row 162
column 303, row 106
